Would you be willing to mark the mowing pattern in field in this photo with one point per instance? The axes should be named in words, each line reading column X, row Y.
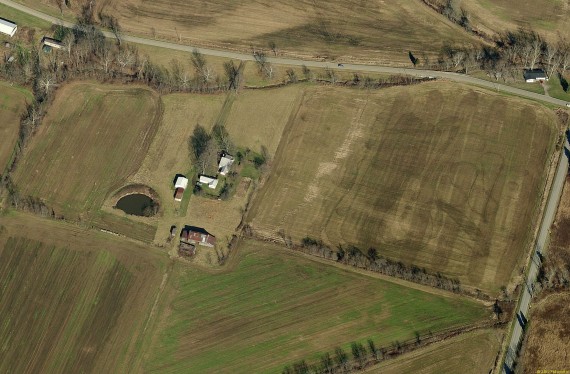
column 12, row 104
column 437, row 175
column 548, row 18
column 62, row 310
column 257, row 118
column 386, row 30
column 275, row 307
column 470, row 353
column 92, row 139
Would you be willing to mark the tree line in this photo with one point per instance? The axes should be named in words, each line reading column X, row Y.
column 371, row 260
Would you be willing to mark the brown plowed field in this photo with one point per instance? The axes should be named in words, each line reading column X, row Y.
column 433, row 175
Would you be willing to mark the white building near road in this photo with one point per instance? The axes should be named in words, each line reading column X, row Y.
column 53, row 43
column 7, row 27
column 208, row 181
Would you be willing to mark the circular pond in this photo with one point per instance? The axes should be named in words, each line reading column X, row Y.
column 138, row 204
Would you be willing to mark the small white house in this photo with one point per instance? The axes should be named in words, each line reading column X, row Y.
column 180, row 185
column 225, row 163
column 52, row 43
column 7, row 27
column 208, row 181
column 535, row 75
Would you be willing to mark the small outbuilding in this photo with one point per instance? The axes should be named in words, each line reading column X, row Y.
column 8, row 27
column 186, row 249
column 180, row 185
column 226, row 162
column 535, row 75
column 197, row 235
column 210, row 182
column 53, row 43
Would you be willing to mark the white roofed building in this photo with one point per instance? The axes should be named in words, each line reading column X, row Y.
column 208, row 181
column 225, row 163
column 53, row 43
column 7, row 27
column 179, row 186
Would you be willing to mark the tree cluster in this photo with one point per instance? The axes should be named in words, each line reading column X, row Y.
column 513, row 52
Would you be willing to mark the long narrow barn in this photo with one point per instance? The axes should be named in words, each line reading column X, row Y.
column 7, row 27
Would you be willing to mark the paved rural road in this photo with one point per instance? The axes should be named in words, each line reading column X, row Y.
column 539, row 248
column 284, row 61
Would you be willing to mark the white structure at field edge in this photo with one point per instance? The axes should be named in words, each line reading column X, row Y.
column 7, row 27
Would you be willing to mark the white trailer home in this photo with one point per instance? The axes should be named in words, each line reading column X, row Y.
column 7, row 27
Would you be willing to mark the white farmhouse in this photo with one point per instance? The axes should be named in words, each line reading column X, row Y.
column 7, row 27
column 535, row 75
column 225, row 163
column 208, row 181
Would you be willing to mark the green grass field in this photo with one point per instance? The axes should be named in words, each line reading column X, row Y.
column 92, row 138
column 274, row 307
column 73, row 302
column 12, row 106
column 431, row 175
column 21, row 18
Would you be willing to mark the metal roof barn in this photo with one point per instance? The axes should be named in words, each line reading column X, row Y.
column 7, row 27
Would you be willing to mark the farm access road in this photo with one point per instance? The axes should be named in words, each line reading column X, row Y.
column 521, row 317
column 294, row 62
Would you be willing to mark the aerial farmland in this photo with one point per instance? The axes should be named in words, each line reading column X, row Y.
column 241, row 187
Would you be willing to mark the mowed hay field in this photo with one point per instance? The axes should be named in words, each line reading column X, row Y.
column 72, row 300
column 12, row 106
column 368, row 30
column 275, row 307
column 92, row 138
column 549, row 17
column 470, row 353
column 438, row 175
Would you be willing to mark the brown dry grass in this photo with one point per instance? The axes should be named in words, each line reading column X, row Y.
column 72, row 300
column 545, row 16
column 473, row 352
column 257, row 118
column 366, row 30
column 430, row 175
column 548, row 344
column 92, row 138
column 12, row 106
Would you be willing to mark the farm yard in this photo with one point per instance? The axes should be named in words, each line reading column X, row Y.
column 92, row 139
column 429, row 175
column 12, row 106
column 274, row 307
column 72, row 300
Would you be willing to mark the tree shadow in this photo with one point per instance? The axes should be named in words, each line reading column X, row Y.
column 563, row 82
column 413, row 58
